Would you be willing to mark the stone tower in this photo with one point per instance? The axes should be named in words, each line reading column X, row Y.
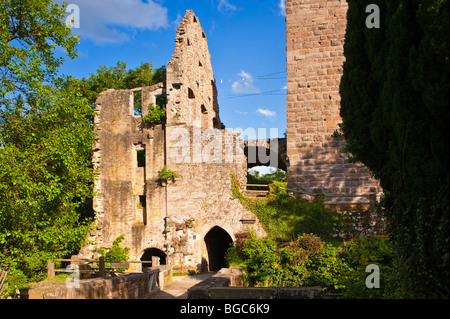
column 315, row 57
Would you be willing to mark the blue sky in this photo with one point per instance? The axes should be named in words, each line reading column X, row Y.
column 246, row 39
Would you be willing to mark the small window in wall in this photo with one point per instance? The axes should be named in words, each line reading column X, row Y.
column 142, row 201
column 216, row 123
column 161, row 101
column 137, row 103
column 140, row 157
column 191, row 94
column 204, row 117
column 143, row 205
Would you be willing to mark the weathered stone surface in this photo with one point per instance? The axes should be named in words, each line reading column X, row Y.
column 315, row 56
column 191, row 86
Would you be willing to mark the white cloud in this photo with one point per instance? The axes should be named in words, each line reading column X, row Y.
column 267, row 113
column 242, row 113
column 99, row 19
column 225, row 6
column 245, row 84
column 282, row 7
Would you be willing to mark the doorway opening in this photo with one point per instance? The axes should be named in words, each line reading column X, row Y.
column 217, row 243
column 153, row 252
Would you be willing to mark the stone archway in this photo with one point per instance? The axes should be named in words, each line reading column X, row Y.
column 154, row 252
column 217, row 242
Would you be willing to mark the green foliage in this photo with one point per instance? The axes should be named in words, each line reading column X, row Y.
column 304, row 261
column 115, row 253
column 30, row 34
column 167, row 174
column 119, row 78
column 395, row 92
column 45, row 143
column 156, row 115
column 308, row 261
column 284, row 217
column 358, row 254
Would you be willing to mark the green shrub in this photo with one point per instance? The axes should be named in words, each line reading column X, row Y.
column 284, row 217
column 305, row 261
column 167, row 174
column 115, row 253
column 156, row 115
column 309, row 261
column 360, row 252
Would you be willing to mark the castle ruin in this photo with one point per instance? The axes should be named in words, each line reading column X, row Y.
column 193, row 219
column 190, row 222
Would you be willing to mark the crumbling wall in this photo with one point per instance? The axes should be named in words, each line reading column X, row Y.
column 131, row 199
column 204, row 159
column 315, row 56
column 191, row 86
column 122, row 184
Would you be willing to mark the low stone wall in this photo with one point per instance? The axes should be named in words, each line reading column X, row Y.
column 131, row 286
column 226, row 277
column 228, row 282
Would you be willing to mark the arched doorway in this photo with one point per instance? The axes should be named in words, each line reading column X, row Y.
column 217, row 242
column 153, row 252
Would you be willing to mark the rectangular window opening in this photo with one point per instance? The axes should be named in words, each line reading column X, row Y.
column 137, row 103
column 143, row 205
column 140, row 158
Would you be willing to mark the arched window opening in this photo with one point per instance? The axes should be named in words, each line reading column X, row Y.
column 205, row 119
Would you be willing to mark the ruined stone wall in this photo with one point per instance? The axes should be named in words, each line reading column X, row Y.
column 129, row 155
column 315, row 56
column 121, row 185
column 191, row 85
column 201, row 198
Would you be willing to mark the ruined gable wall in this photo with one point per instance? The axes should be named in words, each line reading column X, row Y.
column 202, row 153
column 315, row 56
column 191, row 87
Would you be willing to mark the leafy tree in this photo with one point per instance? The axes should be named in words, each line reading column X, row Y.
column 119, row 78
column 254, row 177
column 156, row 115
column 30, row 33
column 395, row 120
column 45, row 142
